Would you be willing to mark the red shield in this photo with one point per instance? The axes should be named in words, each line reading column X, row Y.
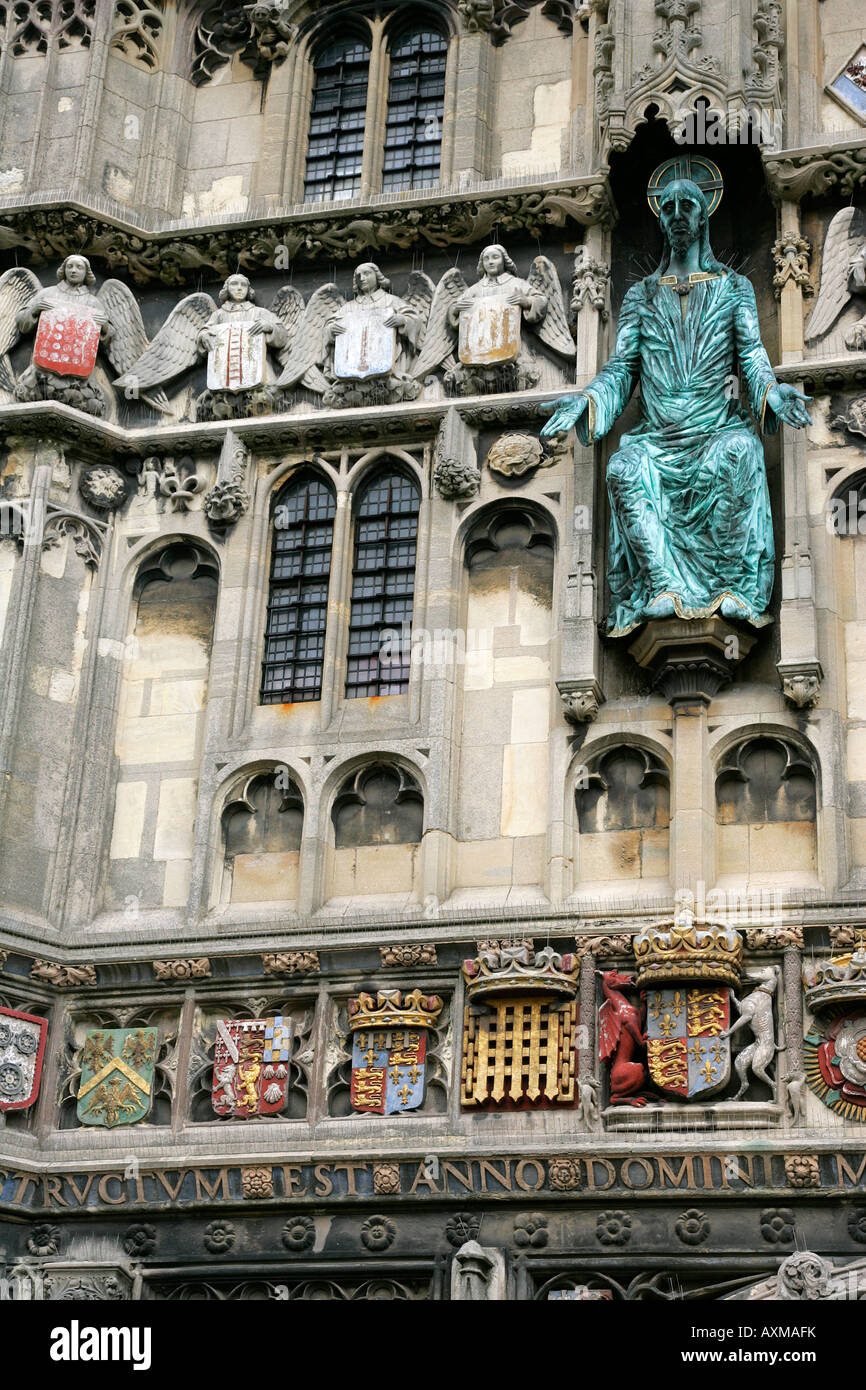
column 252, row 1067
column 22, row 1047
column 66, row 342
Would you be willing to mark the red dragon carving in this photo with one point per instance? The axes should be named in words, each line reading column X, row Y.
column 622, row 1035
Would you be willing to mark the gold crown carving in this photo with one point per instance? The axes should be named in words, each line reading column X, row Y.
column 684, row 950
column 839, row 980
column 516, row 968
column 391, row 1009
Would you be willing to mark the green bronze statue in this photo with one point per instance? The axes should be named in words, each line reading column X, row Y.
column 690, row 525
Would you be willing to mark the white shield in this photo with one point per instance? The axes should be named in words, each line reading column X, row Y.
column 368, row 346
column 489, row 332
column 237, row 363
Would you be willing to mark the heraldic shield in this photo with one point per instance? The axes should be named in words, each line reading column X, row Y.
column 67, row 341
column 22, row 1047
column 366, row 347
column 388, row 1070
column 686, row 1054
column 251, row 1068
column 237, row 363
column 489, row 332
column 117, row 1066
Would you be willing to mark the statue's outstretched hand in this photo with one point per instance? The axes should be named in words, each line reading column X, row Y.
column 567, row 410
column 789, row 405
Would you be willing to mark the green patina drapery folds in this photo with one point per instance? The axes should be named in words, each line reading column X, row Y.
column 690, row 525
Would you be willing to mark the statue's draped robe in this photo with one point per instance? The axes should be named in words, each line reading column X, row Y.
column 689, row 506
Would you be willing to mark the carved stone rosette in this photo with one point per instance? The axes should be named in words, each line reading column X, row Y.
column 291, row 962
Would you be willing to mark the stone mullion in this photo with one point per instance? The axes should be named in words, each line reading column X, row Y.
column 75, row 796
column 339, row 605
column 167, row 141
column 449, row 113
column 374, row 118
column 588, row 1018
column 15, row 649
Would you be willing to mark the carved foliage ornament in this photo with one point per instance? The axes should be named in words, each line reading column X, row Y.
column 336, row 236
column 261, row 33
column 498, row 17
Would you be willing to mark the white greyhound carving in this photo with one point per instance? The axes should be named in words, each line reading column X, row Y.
column 756, row 1010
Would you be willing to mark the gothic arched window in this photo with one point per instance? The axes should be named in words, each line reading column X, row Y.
column 335, row 152
column 416, row 103
column 298, row 597
column 383, row 585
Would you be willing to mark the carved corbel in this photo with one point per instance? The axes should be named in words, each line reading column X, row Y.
column 801, row 682
column 581, row 698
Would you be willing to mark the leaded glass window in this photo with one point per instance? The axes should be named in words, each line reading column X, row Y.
column 383, row 586
column 298, row 598
column 416, row 100
column 336, row 146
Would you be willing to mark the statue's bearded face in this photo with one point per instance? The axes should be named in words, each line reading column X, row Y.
column 680, row 214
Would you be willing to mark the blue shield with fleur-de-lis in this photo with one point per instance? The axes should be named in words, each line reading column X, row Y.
column 388, row 1069
column 686, row 1053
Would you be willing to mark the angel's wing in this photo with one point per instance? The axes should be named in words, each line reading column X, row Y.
column 419, row 296
column 129, row 338
column 17, row 288
column 833, row 296
column 609, row 1029
column 175, row 346
column 310, row 348
column 288, row 305
column 553, row 329
column 439, row 337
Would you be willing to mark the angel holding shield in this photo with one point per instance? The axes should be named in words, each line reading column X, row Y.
column 72, row 322
column 488, row 319
column 236, row 335
column 359, row 351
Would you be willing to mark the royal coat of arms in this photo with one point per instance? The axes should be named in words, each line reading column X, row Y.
column 366, row 347
column 251, row 1069
column 67, row 341
column 686, row 1053
column 237, row 363
column 389, row 1050
column 489, row 332
column 22, row 1047
column 117, row 1066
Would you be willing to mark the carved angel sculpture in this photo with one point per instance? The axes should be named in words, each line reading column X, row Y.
column 236, row 335
column 359, row 351
column 484, row 323
column 843, row 274
column 72, row 322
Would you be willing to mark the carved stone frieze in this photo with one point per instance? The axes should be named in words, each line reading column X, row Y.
column 105, row 488
column 291, row 962
column 774, row 938
column 62, row 976
column 147, row 255
column 604, row 947
column 197, row 968
column 423, row 953
column 257, row 1181
column 817, row 171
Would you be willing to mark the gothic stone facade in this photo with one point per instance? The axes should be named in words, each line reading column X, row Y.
column 220, row 805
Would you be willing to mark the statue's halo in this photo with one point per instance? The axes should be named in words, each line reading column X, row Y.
column 697, row 168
